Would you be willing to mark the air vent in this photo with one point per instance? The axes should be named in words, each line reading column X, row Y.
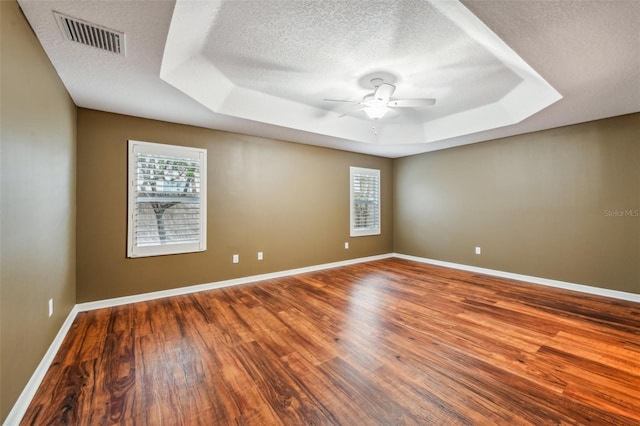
column 90, row 34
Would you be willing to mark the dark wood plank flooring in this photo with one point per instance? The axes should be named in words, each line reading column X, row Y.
column 389, row 342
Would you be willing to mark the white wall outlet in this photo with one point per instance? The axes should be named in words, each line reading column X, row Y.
column 50, row 307
column 346, row 245
column 478, row 250
column 260, row 255
column 236, row 258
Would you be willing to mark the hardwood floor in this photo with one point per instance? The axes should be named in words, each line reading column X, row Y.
column 389, row 342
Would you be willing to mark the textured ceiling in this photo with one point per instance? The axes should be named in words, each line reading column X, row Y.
column 264, row 67
column 338, row 54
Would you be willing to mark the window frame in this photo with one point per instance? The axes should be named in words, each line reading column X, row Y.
column 354, row 171
column 134, row 147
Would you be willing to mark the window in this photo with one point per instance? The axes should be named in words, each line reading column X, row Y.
column 365, row 201
column 167, row 199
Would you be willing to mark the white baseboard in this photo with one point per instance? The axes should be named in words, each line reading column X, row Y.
column 107, row 303
column 615, row 294
column 29, row 391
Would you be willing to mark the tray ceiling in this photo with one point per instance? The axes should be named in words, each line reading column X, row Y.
column 265, row 67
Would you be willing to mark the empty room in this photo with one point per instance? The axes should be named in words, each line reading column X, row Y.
column 287, row 212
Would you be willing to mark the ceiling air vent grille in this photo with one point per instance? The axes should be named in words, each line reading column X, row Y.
column 90, row 34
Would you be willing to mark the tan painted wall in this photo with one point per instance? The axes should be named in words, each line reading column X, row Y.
column 288, row 200
column 536, row 204
column 37, row 235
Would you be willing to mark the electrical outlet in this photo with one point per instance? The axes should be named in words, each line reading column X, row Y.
column 346, row 245
column 260, row 255
column 50, row 307
column 236, row 258
column 478, row 250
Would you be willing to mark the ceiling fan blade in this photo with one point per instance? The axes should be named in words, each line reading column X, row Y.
column 352, row 111
column 411, row 103
column 384, row 91
column 340, row 100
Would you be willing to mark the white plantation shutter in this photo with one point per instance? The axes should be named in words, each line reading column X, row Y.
column 167, row 199
column 365, row 201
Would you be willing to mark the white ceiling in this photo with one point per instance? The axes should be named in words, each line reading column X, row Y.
column 496, row 68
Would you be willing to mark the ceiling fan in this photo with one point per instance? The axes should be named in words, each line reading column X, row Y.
column 378, row 103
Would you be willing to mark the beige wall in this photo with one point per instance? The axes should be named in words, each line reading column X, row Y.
column 288, row 200
column 536, row 204
column 37, row 235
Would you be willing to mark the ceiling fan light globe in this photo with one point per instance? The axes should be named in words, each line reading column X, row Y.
column 376, row 112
